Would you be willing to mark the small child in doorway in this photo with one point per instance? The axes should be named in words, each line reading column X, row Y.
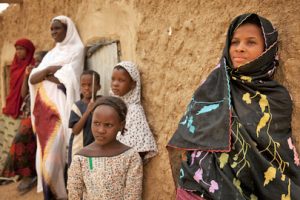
column 81, row 117
column 106, row 169
column 126, row 85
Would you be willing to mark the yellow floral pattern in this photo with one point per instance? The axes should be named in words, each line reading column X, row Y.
column 263, row 125
column 270, row 174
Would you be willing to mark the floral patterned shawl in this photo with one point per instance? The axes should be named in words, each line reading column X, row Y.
column 237, row 130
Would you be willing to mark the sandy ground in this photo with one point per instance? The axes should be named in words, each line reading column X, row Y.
column 9, row 192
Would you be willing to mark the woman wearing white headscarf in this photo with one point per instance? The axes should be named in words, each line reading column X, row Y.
column 54, row 86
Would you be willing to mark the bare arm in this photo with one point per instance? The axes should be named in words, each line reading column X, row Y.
column 80, row 124
column 43, row 74
column 25, row 88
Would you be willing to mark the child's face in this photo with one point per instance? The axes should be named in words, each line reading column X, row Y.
column 121, row 82
column 21, row 52
column 86, row 86
column 38, row 59
column 247, row 44
column 105, row 125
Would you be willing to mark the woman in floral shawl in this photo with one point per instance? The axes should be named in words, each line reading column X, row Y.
column 237, row 128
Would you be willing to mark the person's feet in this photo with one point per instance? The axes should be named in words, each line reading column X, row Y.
column 26, row 184
column 5, row 182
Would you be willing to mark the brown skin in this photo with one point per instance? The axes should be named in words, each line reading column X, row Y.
column 46, row 74
column 58, row 33
column 21, row 52
column 86, row 86
column 121, row 82
column 25, row 88
column 86, row 82
column 105, row 126
column 247, row 44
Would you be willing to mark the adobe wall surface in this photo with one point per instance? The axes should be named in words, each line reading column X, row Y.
column 176, row 44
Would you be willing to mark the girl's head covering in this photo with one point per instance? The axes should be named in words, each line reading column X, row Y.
column 133, row 96
column 17, row 71
column 138, row 134
column 229, row 92
column 27, row 44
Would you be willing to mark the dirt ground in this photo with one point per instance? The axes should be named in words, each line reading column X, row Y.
column 9, row 192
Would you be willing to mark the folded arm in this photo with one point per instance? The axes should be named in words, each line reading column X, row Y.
column 45, row 74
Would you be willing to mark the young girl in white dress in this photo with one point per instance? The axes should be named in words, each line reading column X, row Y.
column 106, row 169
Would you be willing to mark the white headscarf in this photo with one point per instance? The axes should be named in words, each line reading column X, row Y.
column 138, row 134
column 70, row 55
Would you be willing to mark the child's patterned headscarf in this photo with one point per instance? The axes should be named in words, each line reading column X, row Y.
column 138, row 134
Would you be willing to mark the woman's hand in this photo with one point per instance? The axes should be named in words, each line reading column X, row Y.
column 28, row 69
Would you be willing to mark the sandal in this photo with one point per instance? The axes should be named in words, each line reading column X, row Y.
column 6, row 182
column 26, row 184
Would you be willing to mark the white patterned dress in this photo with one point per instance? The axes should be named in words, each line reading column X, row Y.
column 106, row 178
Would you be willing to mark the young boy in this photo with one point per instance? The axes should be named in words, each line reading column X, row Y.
column 81, row 118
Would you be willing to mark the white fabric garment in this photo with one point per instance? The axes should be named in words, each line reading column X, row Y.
column 138, row 134
column 70, row 55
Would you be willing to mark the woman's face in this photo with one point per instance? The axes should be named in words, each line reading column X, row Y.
column 121, row 82
column 247, row 44
column 58, row 31
column 20, row 52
